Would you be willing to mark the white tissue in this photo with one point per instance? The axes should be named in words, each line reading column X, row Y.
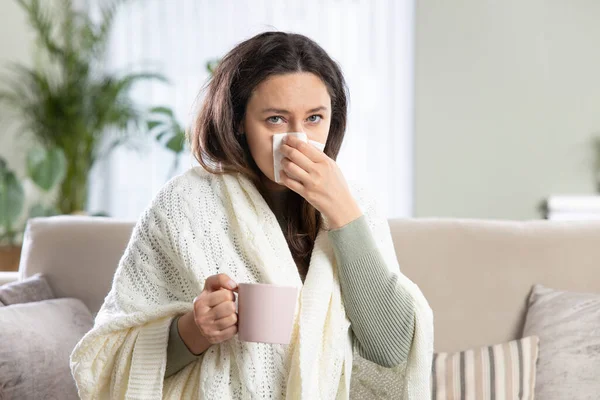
column 277, row 156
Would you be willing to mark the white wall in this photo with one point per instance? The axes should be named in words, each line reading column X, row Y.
column 507, row 103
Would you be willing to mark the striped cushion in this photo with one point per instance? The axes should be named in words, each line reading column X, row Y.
column 498, row 372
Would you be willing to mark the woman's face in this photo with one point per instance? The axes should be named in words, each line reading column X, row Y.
column 296, row 102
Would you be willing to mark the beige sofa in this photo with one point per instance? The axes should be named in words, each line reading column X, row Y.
column 476, row 274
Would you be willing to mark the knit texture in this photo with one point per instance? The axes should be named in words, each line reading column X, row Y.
column 381, row 312
column 201, row 224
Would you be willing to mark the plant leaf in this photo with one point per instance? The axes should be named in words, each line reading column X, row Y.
column 163, row 110
column 211, row 65
column 39, row 210
column 154, row 124
column 42, row 23
column 160, row 135
column 46, row 168
column 12, row 197
column 176, row 143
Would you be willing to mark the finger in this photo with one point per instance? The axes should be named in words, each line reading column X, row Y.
column 220, row 296
column 310, row 151
column 228, row 333
column 294, row 185
column 216, row 337
column 297, row 157
column 294, row 171
column 221, row 281
column 223, row 310
column 227, row 322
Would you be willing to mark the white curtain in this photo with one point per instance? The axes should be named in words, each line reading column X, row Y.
column 372, row 40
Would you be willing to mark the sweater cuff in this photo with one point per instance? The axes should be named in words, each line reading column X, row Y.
column 352, row 241
column 178, row 354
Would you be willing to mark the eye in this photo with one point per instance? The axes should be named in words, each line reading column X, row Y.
column 312, row 118
column 274, row 119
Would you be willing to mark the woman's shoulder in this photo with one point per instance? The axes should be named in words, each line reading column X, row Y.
column 194, row 180
column 188, row 187
column 194, row 175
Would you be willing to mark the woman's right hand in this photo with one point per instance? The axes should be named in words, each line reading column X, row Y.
column 214, row 318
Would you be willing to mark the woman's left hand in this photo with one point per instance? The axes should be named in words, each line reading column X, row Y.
column 313, row 175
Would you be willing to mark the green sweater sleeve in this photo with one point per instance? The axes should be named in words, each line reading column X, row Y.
column 178, row 355
column 381, row 312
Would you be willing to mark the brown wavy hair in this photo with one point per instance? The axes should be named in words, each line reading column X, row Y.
column 215, row 139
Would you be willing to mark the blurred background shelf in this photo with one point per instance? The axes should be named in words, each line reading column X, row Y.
column 573, row 208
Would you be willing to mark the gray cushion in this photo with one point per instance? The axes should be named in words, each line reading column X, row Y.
column 568, row 325
column 34, row 288
column 36, row 342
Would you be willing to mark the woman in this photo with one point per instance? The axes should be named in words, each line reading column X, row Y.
column 168, row 326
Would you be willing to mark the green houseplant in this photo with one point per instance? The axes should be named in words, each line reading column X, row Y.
column 168, row 131
column 45, row 169
column 68, row 101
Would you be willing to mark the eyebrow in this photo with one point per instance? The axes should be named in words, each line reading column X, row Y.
column 282, row 111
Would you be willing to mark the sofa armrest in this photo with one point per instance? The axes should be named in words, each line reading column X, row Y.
column 8, row 277
column 78, row 255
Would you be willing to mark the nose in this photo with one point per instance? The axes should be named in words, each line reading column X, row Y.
column 296, row 126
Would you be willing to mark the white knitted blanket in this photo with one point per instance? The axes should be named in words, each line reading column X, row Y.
column 202, row 224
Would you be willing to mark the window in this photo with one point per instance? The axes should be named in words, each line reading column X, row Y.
column 372, row 40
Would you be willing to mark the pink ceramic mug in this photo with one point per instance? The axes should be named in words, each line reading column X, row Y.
column 266, row 312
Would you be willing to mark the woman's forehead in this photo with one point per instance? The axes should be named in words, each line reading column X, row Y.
column 294, row 92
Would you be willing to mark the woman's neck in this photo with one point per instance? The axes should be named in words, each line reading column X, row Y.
column 271, row 186
column 277, row 197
